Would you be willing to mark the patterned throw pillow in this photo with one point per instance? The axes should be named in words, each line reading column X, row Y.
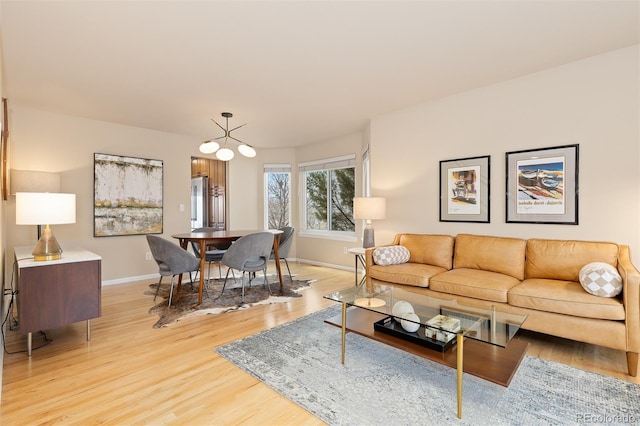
column 391, row 255
column 600, row 279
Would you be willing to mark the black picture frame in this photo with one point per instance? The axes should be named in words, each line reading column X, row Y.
column 465, row 190
column 542, row 185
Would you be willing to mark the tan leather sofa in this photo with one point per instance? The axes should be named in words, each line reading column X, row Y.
column 536, row 277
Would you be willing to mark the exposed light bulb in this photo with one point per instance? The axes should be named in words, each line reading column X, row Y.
column 247, row 151
column 224, row 154
column 209, row 147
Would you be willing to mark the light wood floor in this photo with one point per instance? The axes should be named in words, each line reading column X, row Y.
column 131, row 373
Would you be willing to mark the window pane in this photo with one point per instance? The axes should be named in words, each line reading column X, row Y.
column 278, row 200
column 316, row 202
column 329, row 199
column 342, row 193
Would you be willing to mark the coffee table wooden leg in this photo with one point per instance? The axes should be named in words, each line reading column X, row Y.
column 344, row 328
column 459, row 339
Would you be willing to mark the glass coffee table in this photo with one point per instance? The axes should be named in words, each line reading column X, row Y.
column 431, row 327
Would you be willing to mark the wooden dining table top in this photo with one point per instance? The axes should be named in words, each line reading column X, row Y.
column 203, row 238
column 221, row 234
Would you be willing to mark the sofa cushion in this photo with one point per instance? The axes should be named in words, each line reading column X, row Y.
column 495, row 254
column 475, row 283
column 434, row 250
column 600, row 279
column 415, row 274
column 391, row 255
column 563, row 259
column 564, row 297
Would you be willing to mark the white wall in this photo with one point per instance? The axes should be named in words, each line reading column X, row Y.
column 53, row 142
column 46, row 141
column 592, row 102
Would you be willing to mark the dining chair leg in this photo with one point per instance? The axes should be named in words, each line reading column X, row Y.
column 158, row 288
column 191, row 279
column 220, row 269
column 171, row 291
column 224, row 285
column 266, row 281
column 288, row 270
column 242, row 299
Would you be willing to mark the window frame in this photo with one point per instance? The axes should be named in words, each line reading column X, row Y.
column 276, row 169
column 342, row 162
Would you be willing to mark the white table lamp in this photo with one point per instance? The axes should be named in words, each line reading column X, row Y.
column 369, row 208
column 45, row 208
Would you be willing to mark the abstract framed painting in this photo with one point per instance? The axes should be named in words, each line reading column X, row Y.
column 542, row 185
column 127, row 196
column 464, row 190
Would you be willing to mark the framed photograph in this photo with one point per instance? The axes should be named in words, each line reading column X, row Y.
column 542, row 185
column 127, row 196
column 464, row 190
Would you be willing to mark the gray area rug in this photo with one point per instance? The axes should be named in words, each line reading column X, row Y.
column 381, row 385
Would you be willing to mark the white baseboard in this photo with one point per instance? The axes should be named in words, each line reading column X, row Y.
column 155, row 276
column 327, row 265
column 131, row 279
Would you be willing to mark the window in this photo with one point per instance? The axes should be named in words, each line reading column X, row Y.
column 277, row 182
column 329, row 188
column 366, row 173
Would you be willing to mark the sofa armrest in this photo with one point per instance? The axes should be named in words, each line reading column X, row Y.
column 631, row 298
column 368, row 259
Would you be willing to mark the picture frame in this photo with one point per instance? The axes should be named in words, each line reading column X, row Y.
column 127, row 196
column 465, row 190
column 4, row 140
column 542, row 185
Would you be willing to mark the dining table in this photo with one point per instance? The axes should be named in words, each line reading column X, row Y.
column 223, row 237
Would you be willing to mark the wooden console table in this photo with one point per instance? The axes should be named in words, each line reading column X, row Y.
column 57, row 292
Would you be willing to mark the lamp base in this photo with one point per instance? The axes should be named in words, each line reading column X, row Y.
column 368, row 238
column 56, row 256
column 47, row 247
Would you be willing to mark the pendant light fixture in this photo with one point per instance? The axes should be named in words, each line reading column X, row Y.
column 225, row 154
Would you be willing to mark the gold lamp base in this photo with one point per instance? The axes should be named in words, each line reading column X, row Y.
column 47, row 247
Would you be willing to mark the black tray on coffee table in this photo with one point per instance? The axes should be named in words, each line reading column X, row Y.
column 391, row 326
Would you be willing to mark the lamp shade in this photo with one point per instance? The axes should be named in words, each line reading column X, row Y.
column 247, row 150
column 209, row 147
column 224, row 154
column 369, row 208
column 45, row 208
column 34, row 181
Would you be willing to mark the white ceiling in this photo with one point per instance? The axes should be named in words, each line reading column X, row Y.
column 297, row 72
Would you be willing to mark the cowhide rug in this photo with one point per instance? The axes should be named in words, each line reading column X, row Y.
column 184, row 302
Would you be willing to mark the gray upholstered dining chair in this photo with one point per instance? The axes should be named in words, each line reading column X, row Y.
column 286, row 239
column 249, row 254
column 210, row 256
column 172, row 260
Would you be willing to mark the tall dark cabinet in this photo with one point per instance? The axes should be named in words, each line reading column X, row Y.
column 215, row 172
